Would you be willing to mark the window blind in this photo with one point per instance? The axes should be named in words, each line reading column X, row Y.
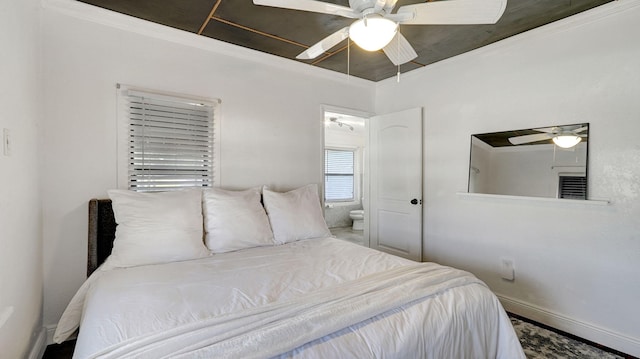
column 339, row 169
column 572, row 187
column 170, row 142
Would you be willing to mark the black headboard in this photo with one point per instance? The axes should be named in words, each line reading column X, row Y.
column 102, row 232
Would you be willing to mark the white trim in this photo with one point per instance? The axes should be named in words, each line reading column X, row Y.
column 598, row 202
column 334, row 204
column 138, row 26
column 51, row 331
column 168, row 96
column 342, row 148
column 345, row 111
column 592, row 332
column 38, row 348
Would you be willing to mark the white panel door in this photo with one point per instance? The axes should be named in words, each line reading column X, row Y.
column 395, row 204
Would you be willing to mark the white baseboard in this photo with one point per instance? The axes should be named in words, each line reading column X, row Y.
column 51, row 330
column 606, row 337
column 37, row 351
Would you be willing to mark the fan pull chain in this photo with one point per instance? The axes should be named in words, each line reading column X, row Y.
column 398, row 43
column 348, row 58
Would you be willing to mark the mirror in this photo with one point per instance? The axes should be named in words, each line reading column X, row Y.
column 546, row 162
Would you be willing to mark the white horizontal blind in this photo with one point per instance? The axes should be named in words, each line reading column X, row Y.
column 573, row 187
column 338, row 175
column 170, row 142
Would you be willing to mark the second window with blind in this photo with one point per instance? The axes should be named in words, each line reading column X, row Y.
column 339, row 179
column 168, row 141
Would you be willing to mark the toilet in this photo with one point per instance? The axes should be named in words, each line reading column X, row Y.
column 358, row 219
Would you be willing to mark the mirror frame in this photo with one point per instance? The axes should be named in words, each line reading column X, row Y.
column 500, row 139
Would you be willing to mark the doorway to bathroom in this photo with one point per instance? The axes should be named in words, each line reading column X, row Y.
column 345, row 175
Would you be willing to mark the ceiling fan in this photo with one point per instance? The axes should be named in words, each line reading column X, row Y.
column 563, row 136
column 376, row 26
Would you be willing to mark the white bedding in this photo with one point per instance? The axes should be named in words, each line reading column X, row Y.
column 305, row 299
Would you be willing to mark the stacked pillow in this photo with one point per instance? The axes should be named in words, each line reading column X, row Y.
column 296, row 214
column 156, row 227
column 165, row 227
column 234, row 220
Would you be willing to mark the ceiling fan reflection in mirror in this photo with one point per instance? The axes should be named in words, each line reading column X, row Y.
column 376, row 26
column 562, row 136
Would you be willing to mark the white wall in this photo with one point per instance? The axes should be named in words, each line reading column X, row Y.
column 271, row 117
column 480, row 171
column 531, row 170
column 336, row 214
column 20, row 216
column 576, row 266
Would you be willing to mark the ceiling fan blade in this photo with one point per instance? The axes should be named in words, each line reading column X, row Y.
column 455, row 12
column 559, row 129
column 399, row 50
column 519, row 140
column 554, row 129
column 312, row 6
column 390, row 5
column 324, row 44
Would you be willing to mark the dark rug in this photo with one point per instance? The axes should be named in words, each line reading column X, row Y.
column 539, row 342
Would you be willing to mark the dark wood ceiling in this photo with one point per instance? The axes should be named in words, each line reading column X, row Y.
column 287, row 33
column 501, row 139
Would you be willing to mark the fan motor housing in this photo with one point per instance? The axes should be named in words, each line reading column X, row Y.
column 361, row 5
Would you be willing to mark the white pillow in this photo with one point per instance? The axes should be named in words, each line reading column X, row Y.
column 235, row 220
column 156, row 227
column 296, row 214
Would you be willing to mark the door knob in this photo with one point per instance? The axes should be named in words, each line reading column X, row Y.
column 414, row 201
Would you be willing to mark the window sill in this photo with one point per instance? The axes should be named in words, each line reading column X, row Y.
column 340, row 204
column 597, row 202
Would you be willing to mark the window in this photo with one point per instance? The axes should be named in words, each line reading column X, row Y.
column 169, row 141
column 338, row 175
column 572, row 187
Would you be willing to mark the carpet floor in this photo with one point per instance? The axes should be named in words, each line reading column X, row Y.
column 537, row 341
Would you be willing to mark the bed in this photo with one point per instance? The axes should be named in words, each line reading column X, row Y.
column 285, row 297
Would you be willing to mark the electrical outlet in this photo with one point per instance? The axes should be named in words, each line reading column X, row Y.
column 507, row 270
column 6, row 141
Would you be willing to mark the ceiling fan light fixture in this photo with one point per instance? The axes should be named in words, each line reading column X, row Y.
column 566, row 141
column 373, row 32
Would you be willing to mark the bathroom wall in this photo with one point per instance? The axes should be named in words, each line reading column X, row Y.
column 337, row 213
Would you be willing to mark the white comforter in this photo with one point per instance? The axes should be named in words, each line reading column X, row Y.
column 314, row 299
